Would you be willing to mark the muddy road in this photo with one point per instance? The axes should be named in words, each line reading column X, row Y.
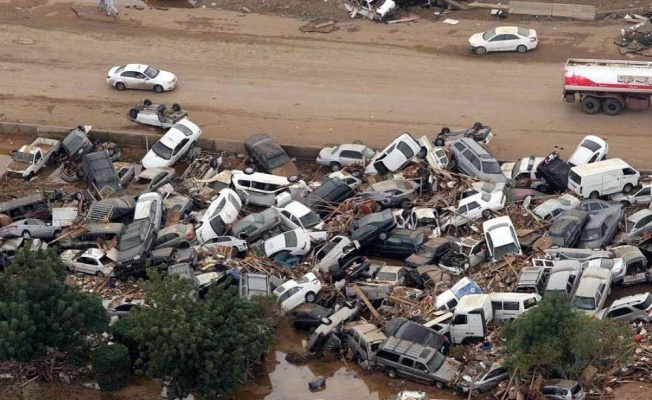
column 242, row 74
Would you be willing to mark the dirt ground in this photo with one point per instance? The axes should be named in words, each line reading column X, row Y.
column 245, row 73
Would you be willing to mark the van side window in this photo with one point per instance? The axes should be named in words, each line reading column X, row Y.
column 529, row 303
column 388, row 356
column 510, row 305
column 407, row 362
column 629, row 171
column 459, row 320
column 497, row 305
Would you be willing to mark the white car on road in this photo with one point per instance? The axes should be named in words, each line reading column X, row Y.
column 504, row 38
column 295, row 292
column 223, row 210
column 590, row 149
column 176, row 142
column 141, row 76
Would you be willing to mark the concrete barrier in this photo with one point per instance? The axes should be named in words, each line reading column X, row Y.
column 141, row 139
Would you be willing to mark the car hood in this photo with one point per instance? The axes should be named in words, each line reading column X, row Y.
column 581, row 156
column 449, row 370
column 476, row 39
column 507, row 169
column 151, row 160
column 128, row 254
column 165, row 76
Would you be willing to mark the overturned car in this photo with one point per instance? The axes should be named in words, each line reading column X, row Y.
column 158, row 115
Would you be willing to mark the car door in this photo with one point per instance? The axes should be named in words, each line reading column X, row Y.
column 83, row 264
column 129, row 79
column 142, row 81
column 510, row 42
column 295, row 299
column 496, row 43
column 180, row 150
column 350, row 156
column 643, row 196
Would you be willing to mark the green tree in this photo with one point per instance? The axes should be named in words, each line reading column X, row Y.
column 39, row 310
column 206, row 345
column 111, row 366
column 561, row 340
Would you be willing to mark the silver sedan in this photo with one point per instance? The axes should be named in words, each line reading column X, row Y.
column 140, row 76
column 29, row 228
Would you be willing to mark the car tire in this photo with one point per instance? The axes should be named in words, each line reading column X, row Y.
column 335, row 166
column 311, row 297
column 133, row 113
column 99, row 274
column 481, row 50
column 249, row 170
column 382, row 236
column 405, row 203
column 184, row 245
column 57, row 233
column 439, row 385
column 120, row 86
column 475, row 392
column 176, row 107
column 422, row 153
column 29, row 176
column 439, row 142
column 625, row 203
column 158, row 88
column 487, row 214
column 452, row 164
column 147, row 102
column 590, row 105
column 628, row 188
column 26, row 235
column 611, row 107
column 391, row 372
column 293, row 179
column 542, row 188
column 594, row 195
column 266, row 235
column 477, row 126
column 521, row 48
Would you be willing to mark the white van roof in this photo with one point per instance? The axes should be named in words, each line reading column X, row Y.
column 509, row 296
column 472, row 302
column 600, row 166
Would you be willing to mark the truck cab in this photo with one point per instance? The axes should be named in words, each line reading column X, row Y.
column 470, row 319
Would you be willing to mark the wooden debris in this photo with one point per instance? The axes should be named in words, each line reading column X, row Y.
column 366, row 301
column 402, row 20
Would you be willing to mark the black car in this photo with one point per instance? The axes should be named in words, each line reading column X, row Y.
column 96, row 233
column 324, row 198
column 399, row 244
column 373, row 226
column 555, row 172
column 350, row 269
column 430, row 252
column 567, row 228
column 99, row 172
column 269, row 157
column 309, row 315
column 76, row 144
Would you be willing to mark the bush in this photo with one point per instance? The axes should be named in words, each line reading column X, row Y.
column 111, row 366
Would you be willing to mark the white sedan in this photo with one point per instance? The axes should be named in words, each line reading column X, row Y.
column 223, row 211
column 343, row 155
column 141, row 76
column 295, row 292
column 92, row 261
column 504, row 38
column 176, row 142
column 590, row 149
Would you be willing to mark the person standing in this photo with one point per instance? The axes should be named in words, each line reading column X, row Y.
column 111, row 10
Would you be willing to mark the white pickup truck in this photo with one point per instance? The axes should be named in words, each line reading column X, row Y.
column 31, row 158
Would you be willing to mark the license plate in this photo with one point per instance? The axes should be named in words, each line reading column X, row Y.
column 635, row 278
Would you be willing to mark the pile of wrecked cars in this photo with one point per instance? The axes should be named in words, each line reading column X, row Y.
column 380, row 254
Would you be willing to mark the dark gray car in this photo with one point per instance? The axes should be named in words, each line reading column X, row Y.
column 392, row 193
column 596, row 206
column 257, row 225
column 135, row 242
column 601, row 228
column 567, row 228
column 269, row 157
column 473, row 160
column 482, row 378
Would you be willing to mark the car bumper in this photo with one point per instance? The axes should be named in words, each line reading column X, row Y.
column 170, row 86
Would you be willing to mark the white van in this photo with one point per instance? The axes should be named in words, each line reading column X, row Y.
column 470, row 318
column 508, row 306
column 258, row 188
column 602, row 178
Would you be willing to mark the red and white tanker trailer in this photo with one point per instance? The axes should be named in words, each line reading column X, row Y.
column 608, row 85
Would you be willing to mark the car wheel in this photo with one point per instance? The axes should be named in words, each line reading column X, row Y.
column 542, row 188
column 477, row 126
column 249, row 170
column 335, row 166
column 26, row 234
column 452, row 164
column 439, row 385
column 625, row 203
column 293, row 179
column 590, row 105
column 57, row 233
column 133, row 113
column 594, row 195
column 422, row 153
column 391, row 372
column 383, row 236
column 147, row 102
column 521, row 48
column 439, row 142
column 120, row 86
column 486, row 214
column 158, row 89
column 628, row 188
column 611, row 107
column 176, row 107
column 99, row 274
column 475, row 392
column 266, row 235
column 311, row 297
column 29, row 176
column 184, row 245
column 480, row 50
column 405, row 203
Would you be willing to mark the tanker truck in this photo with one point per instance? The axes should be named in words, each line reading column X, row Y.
column 608, row 85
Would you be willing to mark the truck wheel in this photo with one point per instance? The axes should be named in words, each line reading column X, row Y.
column 475, row 392
column 612, row 107
column 391, row 372
column 480, row 50
column 590, row 105
column 594, row 195
column 628, row 188
column 147, row 102
column 249, row 170
column 405, row 203
column 120, row 86
column 625, row 203
column 158, row 89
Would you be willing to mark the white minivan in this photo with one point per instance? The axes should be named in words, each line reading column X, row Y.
column 602, row 178
column 508, row 306
column 259, row 189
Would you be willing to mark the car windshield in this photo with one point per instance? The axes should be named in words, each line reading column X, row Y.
column 630, row 225
column 310, row 219
column 290, row 239
column 151, row 72
column 386, row 276
column 278, row 160
column 491, row 168
column 162, row 151
column 591, row 234
column 489, row 34
column 583, row 303
column 129, row 242
column 436, row 361
column 218, row 225
column 24, row 157
column 516, row 168
column 367, row 152
column 500, row 251
column 647, row 303
column 593, row 146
